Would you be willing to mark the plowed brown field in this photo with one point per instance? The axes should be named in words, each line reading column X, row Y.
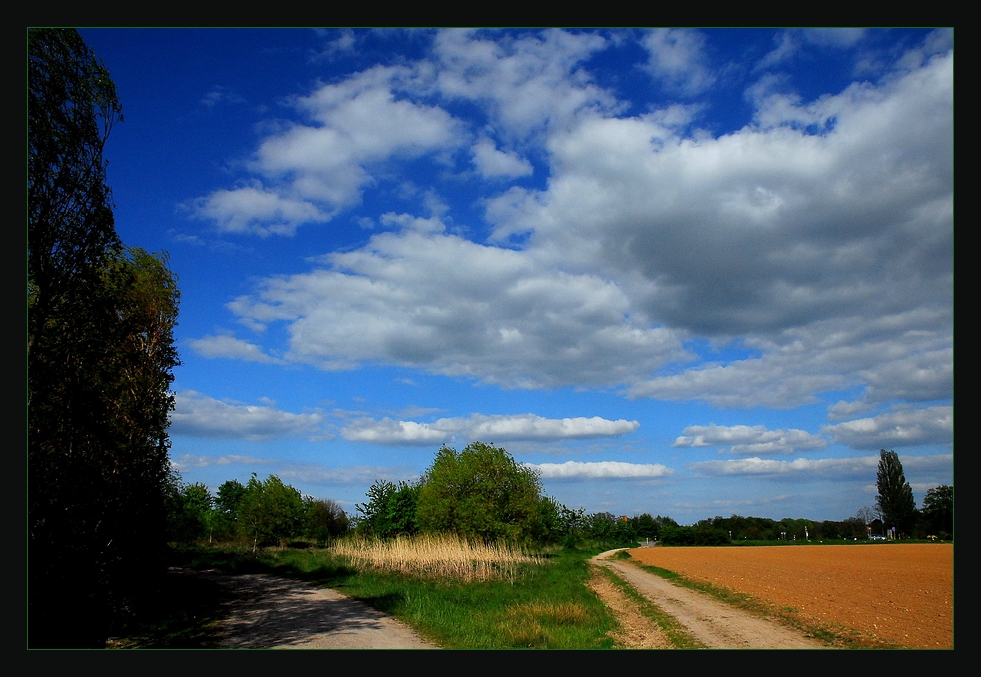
column 903, row 594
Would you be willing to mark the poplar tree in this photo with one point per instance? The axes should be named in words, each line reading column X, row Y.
column 895, row 500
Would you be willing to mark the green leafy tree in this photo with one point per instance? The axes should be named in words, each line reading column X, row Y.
column 895, row 500
column 100, row 361
column 270, row 511
column 481, row 492
column 225, row 521
column 938, row 511
column 190, row 510
column 324, row 519
column 391, row 510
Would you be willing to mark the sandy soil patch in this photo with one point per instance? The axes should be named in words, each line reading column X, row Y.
column 636, row 631
column 903, row 594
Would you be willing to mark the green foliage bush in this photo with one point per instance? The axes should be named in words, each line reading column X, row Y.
column 481, row 492
column 270, row 511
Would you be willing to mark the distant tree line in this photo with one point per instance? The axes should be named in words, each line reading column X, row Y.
column 482, row 493
column 258, row 513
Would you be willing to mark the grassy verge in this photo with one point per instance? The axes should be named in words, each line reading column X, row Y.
column 838, row 636
column 676, row 633
column 547, row 605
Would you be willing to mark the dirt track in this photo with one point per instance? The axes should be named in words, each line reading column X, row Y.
column 712, row 623
column 270, row 612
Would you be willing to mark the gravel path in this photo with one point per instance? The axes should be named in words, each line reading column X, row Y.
column 270, row 612
column 714, row 624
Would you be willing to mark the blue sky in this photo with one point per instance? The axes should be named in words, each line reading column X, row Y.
column 684, row 272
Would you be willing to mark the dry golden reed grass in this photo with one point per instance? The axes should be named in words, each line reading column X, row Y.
column 437, row 556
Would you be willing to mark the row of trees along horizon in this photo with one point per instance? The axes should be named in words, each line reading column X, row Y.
column 103, row 501
column 483, row 494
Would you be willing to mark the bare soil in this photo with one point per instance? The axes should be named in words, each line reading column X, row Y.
column 636, row 631
column 902, row 594
column 710, row 622
column 270, row 612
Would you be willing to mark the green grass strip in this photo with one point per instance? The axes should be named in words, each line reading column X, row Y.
column 547, row 606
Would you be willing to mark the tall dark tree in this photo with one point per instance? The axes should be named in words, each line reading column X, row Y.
column 100, row 359
column 895, row 500
column 71, row 108
column 938, row 511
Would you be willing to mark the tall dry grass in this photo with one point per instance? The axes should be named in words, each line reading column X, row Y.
column 442, row 556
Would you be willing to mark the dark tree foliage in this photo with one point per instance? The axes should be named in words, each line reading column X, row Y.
column 190, row 511
column 72, row 107
column 938, row 511
column 324, row 520
column 895, row 500
column 100, row 360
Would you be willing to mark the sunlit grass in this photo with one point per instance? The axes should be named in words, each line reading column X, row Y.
column 439, row 556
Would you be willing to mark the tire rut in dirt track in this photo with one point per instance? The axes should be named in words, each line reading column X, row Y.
column 714, row 624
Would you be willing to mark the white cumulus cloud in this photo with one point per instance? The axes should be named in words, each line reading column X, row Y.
column 309, row 171
column 496, row 428
column 750, row 439
column 601, row 470
column 491, row 162
column 904, row 428
column 230, row 347
column 197, row 415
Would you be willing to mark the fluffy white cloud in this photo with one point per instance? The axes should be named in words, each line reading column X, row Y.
column 198, row 415
column 907, row 356
column 789, row 43
column 451, row 306
column 904, row 428
column 230, row 347
column 497, row 428
column 759, row 466
column 312, row 170
column 526, row 83
column 601, row 470
column 188, row 461
column 819, row 235
column 388, row 431
column 678, row 60
column 750, row 439
column 829, row 467
column 492, row 163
